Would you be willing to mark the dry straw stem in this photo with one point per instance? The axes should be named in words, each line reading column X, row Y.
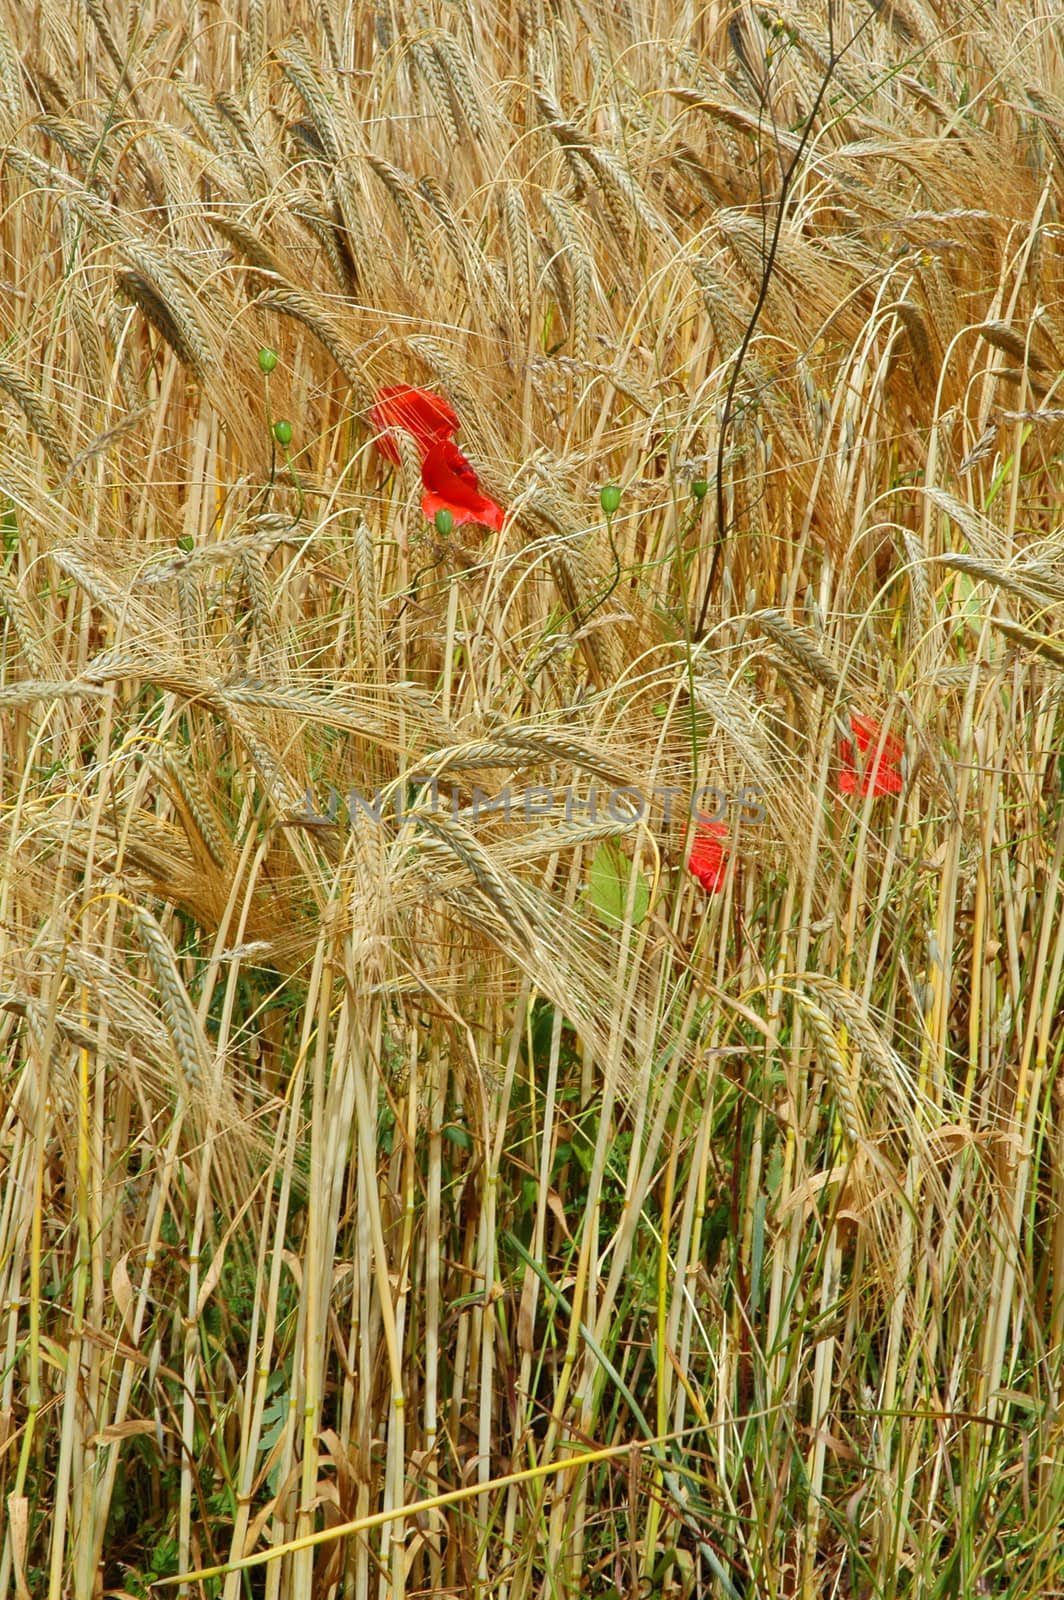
column 471, row 1140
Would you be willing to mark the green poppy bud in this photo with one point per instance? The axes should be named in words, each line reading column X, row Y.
column 267, row 359
column 282, row 432
column 700, row 488
column 609, row 498
column 444, row 521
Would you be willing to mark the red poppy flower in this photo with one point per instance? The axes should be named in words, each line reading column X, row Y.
column 708, row 861
column 419, row 412
column 451, row 485
column 879, row 758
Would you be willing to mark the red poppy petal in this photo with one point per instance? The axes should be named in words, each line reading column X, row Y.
column 708, row 861
column 868, row 734
column 884, row 780
column 431, row 503
column 711, row 876
column 445, row 471
column 882, row 754
column 451, row 484
column 420, row 412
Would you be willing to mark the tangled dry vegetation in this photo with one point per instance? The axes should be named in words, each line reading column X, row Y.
column 662, row 1241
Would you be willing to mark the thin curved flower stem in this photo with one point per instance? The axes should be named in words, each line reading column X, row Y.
column 614, row 581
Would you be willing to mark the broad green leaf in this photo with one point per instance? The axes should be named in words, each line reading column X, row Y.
column 607, row 887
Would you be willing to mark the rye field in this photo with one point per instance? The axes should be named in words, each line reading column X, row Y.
column 531, row 799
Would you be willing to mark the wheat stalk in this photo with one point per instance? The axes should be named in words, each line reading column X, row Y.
column 35, row 411
column 189, row 1046
column 799, row 644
